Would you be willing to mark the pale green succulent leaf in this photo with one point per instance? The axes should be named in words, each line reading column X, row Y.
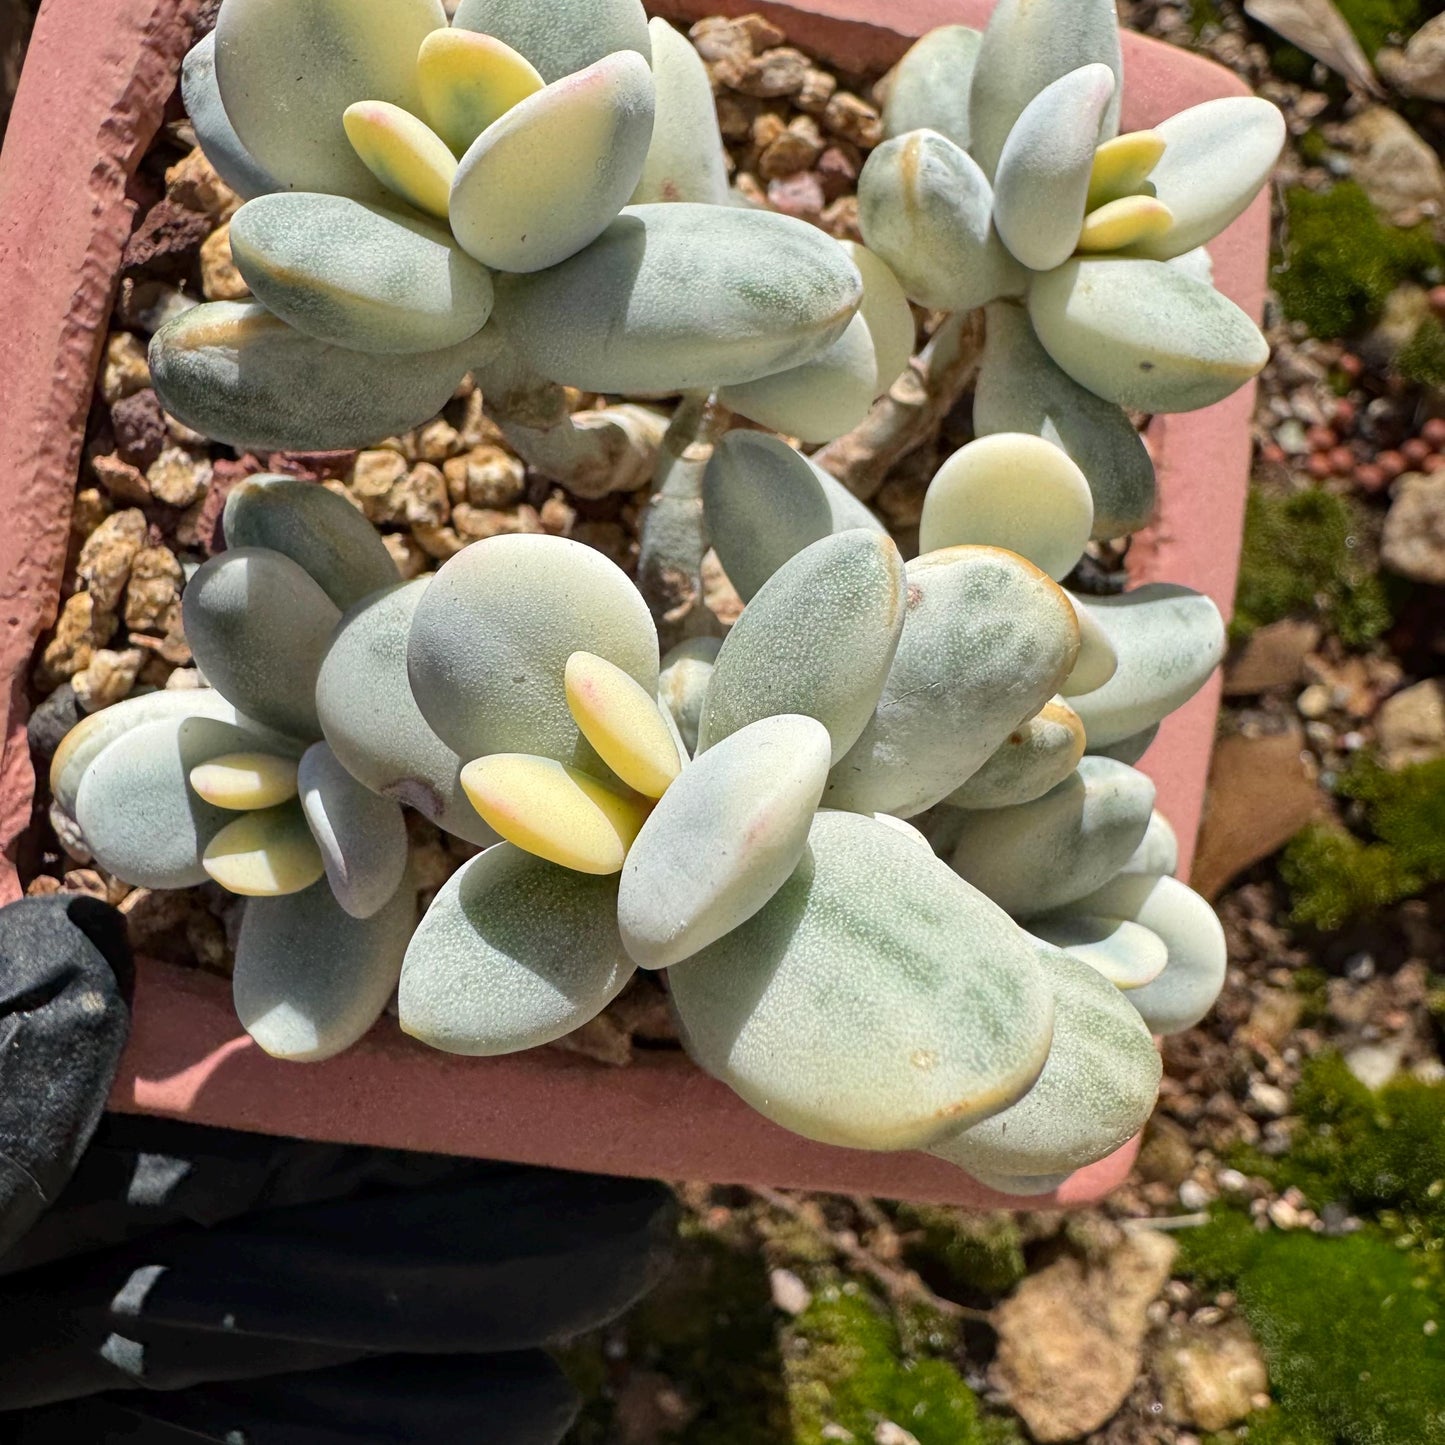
column 886, row 310
column 1144, row 334
column 1158, row 855
column 1097, row 662
column 682, row 685
column 310, row 979
column 560, row 39
column 215, row 134
column 1042, row 184
column 876, row 1002
column 686, row 161
column 683, row 297
column 1125, row 953
column 929, row 88
column 1035, row 758
column 818, row 639
column 722, row 840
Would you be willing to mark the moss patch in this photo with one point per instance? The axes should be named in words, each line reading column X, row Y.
column 1384, row 22
column 978, row 1254
column 1341, row 261
column 1423, row 358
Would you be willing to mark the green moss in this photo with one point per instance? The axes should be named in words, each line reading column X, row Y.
column 1422, row 360
column 1384, row 22
column 844, row 1366
column 1341, row 261
column 1302, row 557
column 976, row 1253
column 1273, row 1427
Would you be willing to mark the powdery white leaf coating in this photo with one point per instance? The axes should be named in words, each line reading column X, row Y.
column 1042, row 183
column 1146, row 335
column 683, row 297
column 259, row 627
column 1020, row 389
column 886, row 310
column 765, row 502
column 1033, row 759
column 686, row 161
column 1158, row 854
column 491, row 636
column 327, row 537
column 819, row 400
column 929, row 88
column 242, row 376
column 265, row 854
column 1168, row 640
column 371, row 720
column 310, row 979
column 287, row 72
column 468, row 81
column 926, row 209
column 551, row 175
column 904, row 830
column 361, row 835
column 513, row 953
column 1015, row 491
column 215, row 134
column 412, row 162
column 135, row 806
column 1026, row 47
column 1046, row 854
column 682, row 684
column 357, row 276
column 240, row 782
column 1097, row 660
column 1096, row 1092
column 1197, row 263
column 725, row 837
column 624, row 722
column 1125, row 953
column 877, row 1002
column 986, row 642
column 1131, row 749
column 1187, row 989
column 817, row 639
column 560, row 39
column 1217, row 157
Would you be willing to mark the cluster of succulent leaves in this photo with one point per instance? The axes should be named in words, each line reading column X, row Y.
column 886, row 837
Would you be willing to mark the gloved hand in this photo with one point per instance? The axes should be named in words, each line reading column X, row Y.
column 171, row 1284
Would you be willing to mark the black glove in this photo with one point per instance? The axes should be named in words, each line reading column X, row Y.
column 196, row 1284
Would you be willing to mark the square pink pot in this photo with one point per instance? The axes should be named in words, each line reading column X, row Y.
column 96, row 82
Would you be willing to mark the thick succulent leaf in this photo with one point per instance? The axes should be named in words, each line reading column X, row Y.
column 682, row 684
column 765, row 502
column 491, row 636
column 1145, row 335
column 371, row 720
column 821, row 399
column 259, row 627
column 986, row 642
column 1096, row 1092
column 1158, row 855
column 1197, row 263
column 926, row 209
column 560, row 39
column 513, row 953
column 310, row 979
column 551, row 175
column 929, row 88
column 242, row 376
column 214, row 132
column 468, row 81
column 1042, row 183
column 686, row 161
column 1128, row 750
column 287, row 72
column 406, row 155
column 683, row 297
column 1122, row 166
column 818, row 639
column 1020, row 389
column 1125, row 953
column 1186, row 990
column 135, row 806
column 324, row 534
column 1128, row 222
column 1217, row 157
column 726, row 837
column 624, row 722
column 1015, row 491
column 1097, row 660
column 886, row 310
column 265, row 854
column 877, row 1002
column 1031, row 761
column 1047, row 854
column 1028, row 46
column 361, row 836
column 1168, row 640
column 555, row 812
column 359, row 276
column 241, row 782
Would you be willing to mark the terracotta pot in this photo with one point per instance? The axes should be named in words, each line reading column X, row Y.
column 95, row 85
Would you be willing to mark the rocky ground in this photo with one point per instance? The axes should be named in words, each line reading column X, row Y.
column 1284, row 1238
